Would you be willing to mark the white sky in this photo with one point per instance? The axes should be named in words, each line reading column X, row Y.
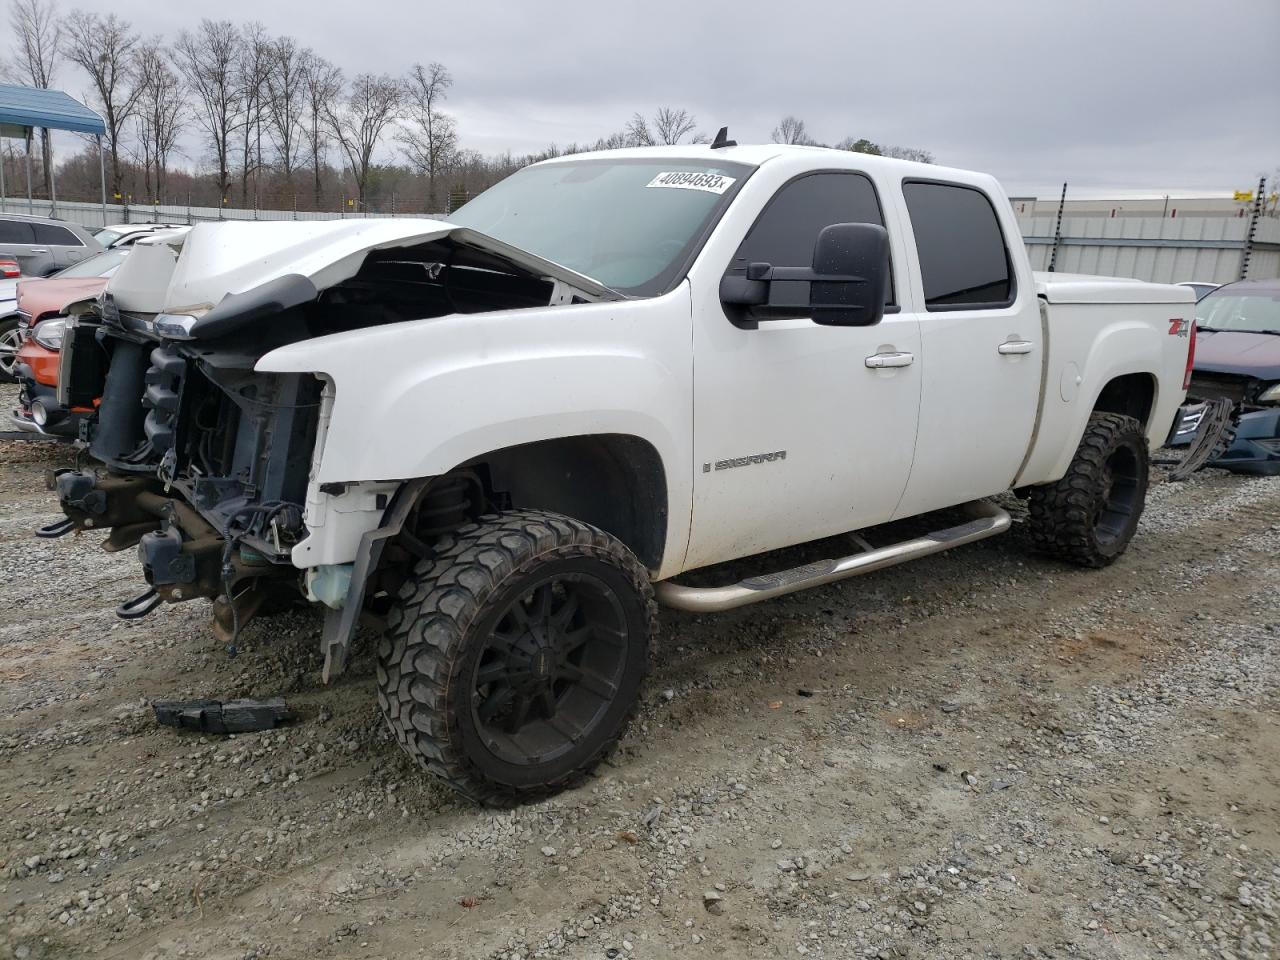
column 1115, row 96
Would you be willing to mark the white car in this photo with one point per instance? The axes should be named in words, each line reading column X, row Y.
column 127, row 234
column 10, row 329
column 1202, row 288
column 507, row 433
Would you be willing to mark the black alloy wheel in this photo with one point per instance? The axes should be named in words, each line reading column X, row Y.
column 514, row 655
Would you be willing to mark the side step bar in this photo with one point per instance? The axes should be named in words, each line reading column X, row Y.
column 988, row 520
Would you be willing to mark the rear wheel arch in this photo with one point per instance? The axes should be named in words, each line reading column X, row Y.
column 1130, row 394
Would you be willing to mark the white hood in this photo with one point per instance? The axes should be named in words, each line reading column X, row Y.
column 193, row 273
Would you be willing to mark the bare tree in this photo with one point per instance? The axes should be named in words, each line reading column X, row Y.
column 285, row 83
column 207, row 59
column 105, row 48
column 791, row 130
column 906, row 153
column 863, row 145
column 321, row 86
column 638, row 133
column 431, row 137
column 36, row 37
column 359, row 120
column 254, row 64
column 161, row 111
column 668, row 126
column 672, row 126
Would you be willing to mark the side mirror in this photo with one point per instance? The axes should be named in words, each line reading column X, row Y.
column 844, row 287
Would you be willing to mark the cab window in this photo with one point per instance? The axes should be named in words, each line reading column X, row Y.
column 963, row 259
column 785, row 233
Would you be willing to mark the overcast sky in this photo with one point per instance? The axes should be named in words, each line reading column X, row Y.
column 1114, row 96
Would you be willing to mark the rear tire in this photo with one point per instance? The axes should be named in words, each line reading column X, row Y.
column 1090, row 515
column 513, row 657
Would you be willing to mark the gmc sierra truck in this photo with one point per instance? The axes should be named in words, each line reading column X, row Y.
column 509, row 435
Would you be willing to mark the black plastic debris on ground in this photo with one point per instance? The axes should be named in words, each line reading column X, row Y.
column 215, row 716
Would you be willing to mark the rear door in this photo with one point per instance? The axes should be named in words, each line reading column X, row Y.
column 63, row 245
column 981, row 349
column 17, row 240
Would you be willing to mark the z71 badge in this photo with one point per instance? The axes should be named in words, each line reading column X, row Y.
column 1179, row 327
column 745, row 461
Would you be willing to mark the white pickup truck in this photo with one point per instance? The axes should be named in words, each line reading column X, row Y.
column 506, row 434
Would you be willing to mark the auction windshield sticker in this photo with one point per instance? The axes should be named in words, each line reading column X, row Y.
column 689, row 180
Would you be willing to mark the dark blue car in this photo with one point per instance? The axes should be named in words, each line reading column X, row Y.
column 1238, row 358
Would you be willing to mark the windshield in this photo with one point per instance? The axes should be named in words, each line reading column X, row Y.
column 107, row 236
column 629, row 224
column 1253, row 312
column 99, row 265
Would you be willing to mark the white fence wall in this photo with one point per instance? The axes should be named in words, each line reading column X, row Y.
column 1163, row 250
column 90, row 214
column 1146, row 247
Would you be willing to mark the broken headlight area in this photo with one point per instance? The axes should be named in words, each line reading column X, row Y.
column 206, row 466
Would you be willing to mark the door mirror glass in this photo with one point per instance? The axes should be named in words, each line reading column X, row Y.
column 844, row 286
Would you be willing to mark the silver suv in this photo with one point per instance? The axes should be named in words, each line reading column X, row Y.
column 42, row 246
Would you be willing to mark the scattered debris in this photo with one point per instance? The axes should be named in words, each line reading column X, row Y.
column 214, row 716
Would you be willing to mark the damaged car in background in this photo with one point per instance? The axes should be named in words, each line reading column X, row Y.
column 491, row 434
column 1236, row 375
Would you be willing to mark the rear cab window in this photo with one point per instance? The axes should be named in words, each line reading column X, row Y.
column 964, row 260
column 787, row 229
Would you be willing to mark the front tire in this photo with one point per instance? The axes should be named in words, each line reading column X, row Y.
column 10, row 341
column 1090, row 515
column 514, row 655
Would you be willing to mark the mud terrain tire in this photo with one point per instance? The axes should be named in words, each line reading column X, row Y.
column 1090, row 515
column 514, row 655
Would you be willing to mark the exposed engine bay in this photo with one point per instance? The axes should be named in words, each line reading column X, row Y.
column 205, row 463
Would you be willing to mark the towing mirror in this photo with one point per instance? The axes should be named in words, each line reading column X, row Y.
column 845, row 286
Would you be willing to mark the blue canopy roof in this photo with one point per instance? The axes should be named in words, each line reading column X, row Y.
column 50, row 109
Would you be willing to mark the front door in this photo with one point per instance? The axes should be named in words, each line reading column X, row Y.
column 981, row 350
column 800, row 430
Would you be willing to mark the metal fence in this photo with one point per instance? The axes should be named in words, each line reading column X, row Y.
column 1206, row 248
column 1163, row 250
column 90, row 214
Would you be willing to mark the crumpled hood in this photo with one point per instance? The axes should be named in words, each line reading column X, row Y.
column 193, row 273
column 37, row 297
column 1238, row 352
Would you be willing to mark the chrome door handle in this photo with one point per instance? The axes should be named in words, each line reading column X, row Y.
column 39, row 250
column 878, row 361
column 1016, row 346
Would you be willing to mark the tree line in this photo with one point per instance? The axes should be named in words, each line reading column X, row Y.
column 278, row 123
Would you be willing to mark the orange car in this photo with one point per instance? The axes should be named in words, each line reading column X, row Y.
column 41, row 304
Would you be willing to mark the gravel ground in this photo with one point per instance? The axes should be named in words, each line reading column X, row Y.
column 982, row 754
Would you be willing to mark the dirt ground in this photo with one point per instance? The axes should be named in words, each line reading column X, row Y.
column 983, row 754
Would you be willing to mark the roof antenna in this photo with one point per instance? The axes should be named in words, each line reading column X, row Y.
column 722, row 139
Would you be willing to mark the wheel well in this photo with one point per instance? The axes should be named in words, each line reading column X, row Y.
column 613, row 481
column 1132, row 395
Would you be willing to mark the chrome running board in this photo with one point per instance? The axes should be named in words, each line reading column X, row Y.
column 988, row 520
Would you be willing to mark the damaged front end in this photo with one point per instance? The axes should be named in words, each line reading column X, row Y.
column 204, row 464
